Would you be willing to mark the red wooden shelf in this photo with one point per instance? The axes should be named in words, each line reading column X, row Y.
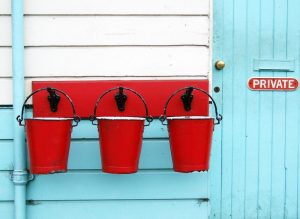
column 85, row 93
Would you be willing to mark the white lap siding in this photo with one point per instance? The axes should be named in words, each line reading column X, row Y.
column 82, row 39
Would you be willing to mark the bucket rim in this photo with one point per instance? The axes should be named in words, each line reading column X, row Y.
column 119, row 118
column 190, row 117
column 50, row 118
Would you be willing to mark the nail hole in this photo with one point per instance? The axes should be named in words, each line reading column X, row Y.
column 217, row 89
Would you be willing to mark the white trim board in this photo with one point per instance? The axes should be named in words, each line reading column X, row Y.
column 109, row 30
column 126, row 7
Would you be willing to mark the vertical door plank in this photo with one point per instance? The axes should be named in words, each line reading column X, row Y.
column 217, row 79
column 252, row 102
column 279, row 115
column 227, row 137
column 239, row 108
column 265, row 120
column 270, row 155
column 292, row 155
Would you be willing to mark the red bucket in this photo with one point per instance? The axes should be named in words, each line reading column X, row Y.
column 48, row 141
column 48, row 144
column 120, row 139
column 190, row 141
column 190, row 138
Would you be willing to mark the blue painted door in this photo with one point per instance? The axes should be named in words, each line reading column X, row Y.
column 255, row 159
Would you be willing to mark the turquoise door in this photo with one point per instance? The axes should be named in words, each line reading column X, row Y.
column 255, row 159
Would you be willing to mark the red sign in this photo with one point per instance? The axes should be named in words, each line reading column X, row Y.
column 276, row 84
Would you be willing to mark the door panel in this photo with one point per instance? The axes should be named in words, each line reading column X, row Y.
column 255, row 155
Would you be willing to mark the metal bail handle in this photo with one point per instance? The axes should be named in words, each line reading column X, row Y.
column 50, row 90
column 189, row 90
column 148, row 118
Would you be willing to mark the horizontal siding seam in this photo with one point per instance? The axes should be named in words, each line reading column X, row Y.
column 132, row 200
column 114, row 15
column 110, row 45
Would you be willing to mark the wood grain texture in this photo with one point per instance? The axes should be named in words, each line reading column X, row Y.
column 126, row 7
column 260, row 145
column 7, row 187
column 6, row 155
column 95, row 185
column 5, row 30
column 110, row 30
column 111, row 61
column 252, row 116
column 279, row 114
column 292, row 143
column 6, row 88
column 122, row 209
column 227, row 123
column 101, row 39
column 215, row 173
column 266, row 103
column 238, row 110
column 7, row 210
column 6, row 123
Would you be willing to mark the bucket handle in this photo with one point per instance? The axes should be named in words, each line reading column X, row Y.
column 163, row 117
column 148, row 118
column 76, row 118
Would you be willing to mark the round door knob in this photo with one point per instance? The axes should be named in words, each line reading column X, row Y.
column 220, row 64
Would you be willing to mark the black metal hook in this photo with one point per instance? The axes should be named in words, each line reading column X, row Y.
column 163, row 117
column 93, row 117
column 53, row 99
column 50, row 91
column 187, row 99
column 121, row 98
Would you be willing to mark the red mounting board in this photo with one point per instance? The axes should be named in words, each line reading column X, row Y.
column 85, row 93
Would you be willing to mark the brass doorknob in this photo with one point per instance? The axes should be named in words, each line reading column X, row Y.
column 220, row 64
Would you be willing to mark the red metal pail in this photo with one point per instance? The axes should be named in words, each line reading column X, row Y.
column 190, row 142
column 48, row 142
column 120, row 138
column 48, row 139
column 120, row 143
column 190, row 136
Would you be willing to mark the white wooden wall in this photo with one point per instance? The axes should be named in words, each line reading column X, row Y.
column 101, row 39
column 107, row 39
